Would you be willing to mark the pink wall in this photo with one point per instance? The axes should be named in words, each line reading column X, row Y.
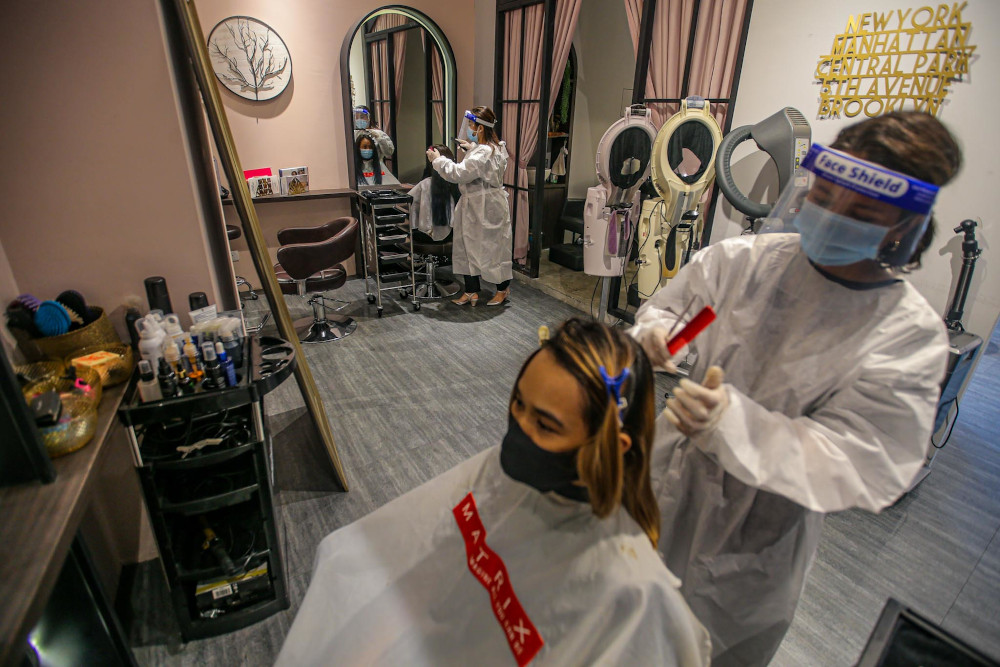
column 304, row 125
column 98, row 192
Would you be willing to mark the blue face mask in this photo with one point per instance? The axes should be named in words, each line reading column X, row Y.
column 367, row 153
column 830, row 239
column 470, row 134
column 361, row 124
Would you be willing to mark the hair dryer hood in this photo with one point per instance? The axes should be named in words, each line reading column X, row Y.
column 785, row 136
column 623, row 155
column 684, row 150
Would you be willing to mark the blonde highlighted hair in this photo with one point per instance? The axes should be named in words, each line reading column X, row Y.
column 612, row 477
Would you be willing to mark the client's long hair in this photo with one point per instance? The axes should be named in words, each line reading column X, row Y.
column 612, row 477
column 441, row 190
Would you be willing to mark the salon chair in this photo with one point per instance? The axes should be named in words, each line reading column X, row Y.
column 433, row 255
column 309, row 263
column 232, row 233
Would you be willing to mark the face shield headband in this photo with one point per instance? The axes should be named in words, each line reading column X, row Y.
column 473, row 118
column 848, row 209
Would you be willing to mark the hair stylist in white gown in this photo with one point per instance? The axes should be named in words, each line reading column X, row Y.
column 482, row 243
column 832, row 366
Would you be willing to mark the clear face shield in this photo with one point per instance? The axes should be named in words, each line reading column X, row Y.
column 848, row 210
column 465, row 132
column 362, row 119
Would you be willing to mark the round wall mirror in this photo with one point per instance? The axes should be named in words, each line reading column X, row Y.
column 397, row 66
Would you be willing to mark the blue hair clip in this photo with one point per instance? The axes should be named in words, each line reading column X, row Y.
column 614, row 386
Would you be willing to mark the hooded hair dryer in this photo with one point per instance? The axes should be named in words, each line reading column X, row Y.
column 785, row 136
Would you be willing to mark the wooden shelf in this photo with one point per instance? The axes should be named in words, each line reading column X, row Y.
column 39, row 524
column 312, row 194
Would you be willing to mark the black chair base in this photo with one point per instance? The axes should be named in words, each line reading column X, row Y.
column 248, row 294
column 439, row 289
column 334, row 327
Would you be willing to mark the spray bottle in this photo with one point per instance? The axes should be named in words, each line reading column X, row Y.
column 167, row 378
column 148, row 389
column 214, row 377
column 191, row 352
column 227, row 364
column 151, row 338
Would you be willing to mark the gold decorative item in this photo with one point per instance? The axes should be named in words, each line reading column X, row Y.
column 78, row 422
column 114, row 370
column 98, row 332
column 895, row 60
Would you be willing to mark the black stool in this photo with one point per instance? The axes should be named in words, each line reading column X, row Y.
column 434, row 254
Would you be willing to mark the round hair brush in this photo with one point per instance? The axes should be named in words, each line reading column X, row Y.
column 52, row 319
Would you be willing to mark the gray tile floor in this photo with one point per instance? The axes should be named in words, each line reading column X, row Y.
column 410, row 395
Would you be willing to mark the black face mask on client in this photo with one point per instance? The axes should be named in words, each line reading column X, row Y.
column 526, row 462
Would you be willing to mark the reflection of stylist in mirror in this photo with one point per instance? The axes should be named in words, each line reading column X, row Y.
column 482, row 244
column 368, row 162
column 832, row 369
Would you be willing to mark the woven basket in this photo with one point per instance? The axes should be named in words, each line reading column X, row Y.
column 98, row 332
column 79, row 416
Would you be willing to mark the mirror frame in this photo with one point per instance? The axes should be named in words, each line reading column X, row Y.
column 450, row 76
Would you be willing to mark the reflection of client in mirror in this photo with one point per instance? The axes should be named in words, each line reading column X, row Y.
column 368, row 162
column 433, row 204
column 363, row 123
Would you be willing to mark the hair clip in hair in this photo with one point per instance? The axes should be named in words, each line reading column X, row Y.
column 543, row 335
column 614, row 386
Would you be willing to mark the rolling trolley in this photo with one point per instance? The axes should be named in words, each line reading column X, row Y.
column 388, row 246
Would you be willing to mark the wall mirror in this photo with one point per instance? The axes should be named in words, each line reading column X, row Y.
column 398, row 63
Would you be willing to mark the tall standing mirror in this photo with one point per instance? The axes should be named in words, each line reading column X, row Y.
column 397, row 64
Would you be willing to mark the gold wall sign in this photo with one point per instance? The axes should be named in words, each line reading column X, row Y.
column 895, row 60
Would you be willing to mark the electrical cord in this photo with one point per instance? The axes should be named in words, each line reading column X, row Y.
column 950, row 428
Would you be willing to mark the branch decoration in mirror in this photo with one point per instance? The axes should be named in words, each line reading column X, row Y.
column 249, row 58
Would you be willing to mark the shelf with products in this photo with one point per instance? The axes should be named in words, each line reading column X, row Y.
column 202, row 460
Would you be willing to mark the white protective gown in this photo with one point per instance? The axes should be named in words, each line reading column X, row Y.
column 482, row 244
column 832, row 395
column 395, row 587
column 368, row 171
column 421, row 214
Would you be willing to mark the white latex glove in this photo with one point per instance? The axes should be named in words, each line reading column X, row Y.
column 433, row 154
column 696, row 408
column 465, row 145
column 654, row 344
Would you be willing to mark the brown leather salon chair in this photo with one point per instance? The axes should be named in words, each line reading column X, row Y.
column 309, row 261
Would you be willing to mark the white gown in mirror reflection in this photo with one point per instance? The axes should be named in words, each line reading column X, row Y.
column 395, row 587
column 832, row 396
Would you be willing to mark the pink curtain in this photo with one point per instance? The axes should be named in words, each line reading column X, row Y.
column 380, row 75
column 437, row 82
column 384, row 22
column 716, row 48
column 713, row 58
column 530, row 21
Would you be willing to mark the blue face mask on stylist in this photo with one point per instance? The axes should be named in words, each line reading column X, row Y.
column 361, row 124
column 831, row 239
column 470, row 135
column 367, row 153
